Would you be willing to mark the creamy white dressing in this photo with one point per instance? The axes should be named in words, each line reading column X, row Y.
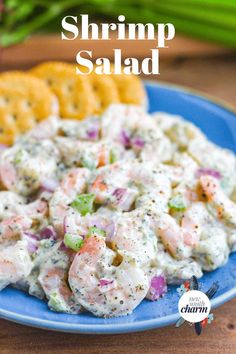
column 150, row 211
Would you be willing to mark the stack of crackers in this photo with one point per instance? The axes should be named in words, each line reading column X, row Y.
column 53, row 88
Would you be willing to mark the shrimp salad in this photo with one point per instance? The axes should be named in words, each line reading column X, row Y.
column 97, row 215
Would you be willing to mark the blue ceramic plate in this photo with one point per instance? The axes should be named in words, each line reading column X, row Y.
column 219, row 124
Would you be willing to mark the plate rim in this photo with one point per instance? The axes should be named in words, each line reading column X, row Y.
column 220, row 102
column 106, row 328
column 80, row 328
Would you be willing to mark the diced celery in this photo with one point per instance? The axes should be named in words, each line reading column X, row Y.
column 73, row 241
column 83, row 203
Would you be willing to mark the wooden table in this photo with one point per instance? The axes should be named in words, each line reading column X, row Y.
column 213, row 71
column 217, row 338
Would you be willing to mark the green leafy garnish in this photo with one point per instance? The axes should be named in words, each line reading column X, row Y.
column 73, row 241
column 96, row 231
column 177, row 203
column 83, row 203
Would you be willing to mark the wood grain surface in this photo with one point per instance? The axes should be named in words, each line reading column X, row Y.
column 214, row 74
column 217, row 338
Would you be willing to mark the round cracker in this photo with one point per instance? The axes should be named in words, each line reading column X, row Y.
column 74, row 92
column 24, row 101
column 104, row 90
column 130, row 88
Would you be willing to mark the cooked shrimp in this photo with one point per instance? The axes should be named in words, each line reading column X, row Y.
column 15, row 264
column 88, row 154
column 177, row 270
column 46, row 129
column 87, row 129
column 178, row 239
column 11, row 228
column 26, row 165
column 133, row 232
column 129, row 125
column 157, row 151
column 12, row 204
column 224, row 208
column 212, row 250
column 103, row 288
column 73, row 183
column 123, row 184
column 53, row 279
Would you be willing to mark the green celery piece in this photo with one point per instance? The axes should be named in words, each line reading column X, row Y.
column 214, row 4
column 186, row 20
column 19, row 34
column 73, row 241
column 22, row 31
column 188, row 27
column 225, row 19
column 83, row 203
column 19, row 13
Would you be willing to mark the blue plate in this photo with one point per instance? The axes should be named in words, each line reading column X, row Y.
column 219, row 124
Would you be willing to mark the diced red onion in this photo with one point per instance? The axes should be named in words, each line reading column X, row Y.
column 125, row 197
column 104, row 282
column 125, row 138
column 49, row 185
column 92, row 133
column 32, row 236
column 110, row 230
column 157, row 288
column 32, row 242
column 63, row 247
column 119, row 193
column 137, row 142
column 48, row 232
column 208, row 172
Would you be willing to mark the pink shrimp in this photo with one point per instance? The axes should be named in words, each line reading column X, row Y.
column 178, row 239
column 8, row 174
column 102, row 288
column 11, row 228
column 218, row 200
column 53, row 279
column 36, row 210
column 74, row 183
column 15, row 264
